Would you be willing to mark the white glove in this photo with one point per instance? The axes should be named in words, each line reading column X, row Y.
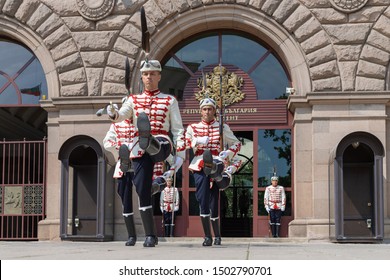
column 168, row 174
column 223, row 154
column 267, row 209
column 112, row 109
column 230, row 169
column 176, row 208
column 282, row 209
column 202, row 140
column 162, row 210
column 178, row 163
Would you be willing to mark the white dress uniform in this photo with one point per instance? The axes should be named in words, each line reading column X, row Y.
column 211, row 130
column 275, row 204
column 164, row 116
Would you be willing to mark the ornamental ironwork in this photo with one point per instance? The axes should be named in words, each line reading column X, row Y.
column 221, row 82
column 348, row 6
column 95, row 9
column 33, row 198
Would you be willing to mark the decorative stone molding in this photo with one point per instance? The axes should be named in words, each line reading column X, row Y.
column 95, row 9
column 348, row 6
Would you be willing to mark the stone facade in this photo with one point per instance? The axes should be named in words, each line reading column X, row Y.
column 338, row 59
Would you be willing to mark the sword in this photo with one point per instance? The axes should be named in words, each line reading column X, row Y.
column 145, row 33
column 127, row 75
column 221, row 111
column 205, row 91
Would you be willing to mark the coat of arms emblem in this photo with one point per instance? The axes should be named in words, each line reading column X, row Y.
column 221, row 82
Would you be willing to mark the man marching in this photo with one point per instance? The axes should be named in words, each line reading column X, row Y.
column 208, row 165
column 169, row 204
column 155, row 115
column 275, row 204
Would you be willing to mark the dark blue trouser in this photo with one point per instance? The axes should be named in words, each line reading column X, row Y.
column 125, row 192
column 167, row 218
column 143, row 172
column 275, row 216
column 207, row 198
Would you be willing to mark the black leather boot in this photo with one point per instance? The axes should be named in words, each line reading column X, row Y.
column 208, row 163
column 150, row 230
column 124, row 157
column 211, row 167
column 217, row 172
column 277, row 228
column 158, row 185
column 146, row 141
column 224, row 183
column 273, row 230
column 217, row 232
column 130, row 226
column 167, row 230
column 208, row 240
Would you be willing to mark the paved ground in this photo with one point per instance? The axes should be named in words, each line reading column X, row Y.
column 191, row 249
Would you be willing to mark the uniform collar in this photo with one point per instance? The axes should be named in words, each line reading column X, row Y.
column 152, row 92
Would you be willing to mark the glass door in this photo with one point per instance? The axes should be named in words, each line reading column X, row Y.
column 273, row 157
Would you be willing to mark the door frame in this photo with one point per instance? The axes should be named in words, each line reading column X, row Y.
column 378, row 210
column 104, row 226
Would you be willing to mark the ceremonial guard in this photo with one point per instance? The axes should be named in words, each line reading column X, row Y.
column 208, row 165
column 155, row 115
column 275, row 204
column 169, row 204
column 122, row 133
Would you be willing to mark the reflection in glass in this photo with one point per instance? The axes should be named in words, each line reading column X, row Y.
column 22, row 80
column 274, row 153
column 251, row 55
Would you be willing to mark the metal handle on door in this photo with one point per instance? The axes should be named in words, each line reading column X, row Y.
column 368, row 223
column 76, row 222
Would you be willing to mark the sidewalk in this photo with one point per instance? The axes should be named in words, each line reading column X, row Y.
column 192, row 249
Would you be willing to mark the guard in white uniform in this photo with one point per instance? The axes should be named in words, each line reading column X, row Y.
column 204, row 139
column 155, row 115
column 275, row 204
column 169, row 204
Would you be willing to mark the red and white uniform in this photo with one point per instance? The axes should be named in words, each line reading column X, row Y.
column 212, row 131
column 164, row 116
column 169, row 199
column 119, row 133
column 275, row 198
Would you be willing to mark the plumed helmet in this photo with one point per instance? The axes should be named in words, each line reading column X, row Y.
column 150, row 65
column 207, row 102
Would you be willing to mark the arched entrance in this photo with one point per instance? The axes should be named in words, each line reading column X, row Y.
column 256, row 112
column 358, row 196
column 86, row 205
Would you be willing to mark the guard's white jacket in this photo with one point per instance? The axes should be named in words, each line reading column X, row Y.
column 169, row 199
column 164, row 116
column 274, row 198
column 211, row 130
